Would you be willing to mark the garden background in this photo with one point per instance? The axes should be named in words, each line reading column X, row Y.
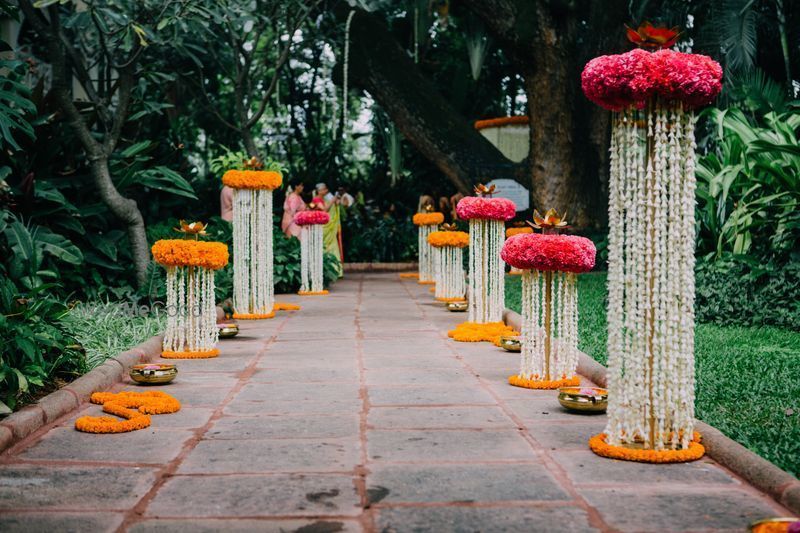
column 121, row 119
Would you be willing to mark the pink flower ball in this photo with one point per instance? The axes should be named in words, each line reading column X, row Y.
column 485, row 208
column 311, row 216
column 561, row 253
column 693, row 79
column 618, row 81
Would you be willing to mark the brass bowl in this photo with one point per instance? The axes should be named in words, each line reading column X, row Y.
column 770, row 525
column 457, row 307
column 583, row 399
column 153, row 373
column 228, row 330
column 510, row 343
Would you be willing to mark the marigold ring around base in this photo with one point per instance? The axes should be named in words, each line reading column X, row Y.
column 519, row 381
column 208, row 354
column 694, row 452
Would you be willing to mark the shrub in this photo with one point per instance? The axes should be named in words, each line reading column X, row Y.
column 743, row 291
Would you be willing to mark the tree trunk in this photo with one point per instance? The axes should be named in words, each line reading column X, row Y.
column 128, row 212
column 379, row 65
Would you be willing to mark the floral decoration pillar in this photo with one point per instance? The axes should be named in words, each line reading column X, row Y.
column 653, row 95
column 253, row 290
column 311, row 250
column 549, row 264
column 191, row 331
column 427, row 222
column 486, row 292
column 449, row 264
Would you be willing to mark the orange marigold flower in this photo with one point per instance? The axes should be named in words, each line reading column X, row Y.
column 313, row 293
column 184, row 253
column 695, row 451
column 427, row 219
column 206, row 354
column 285, row 307
column 510, row 232
column 519, row 381
column 253, row 179
column 134, row 407
column 476, row 332
column 456, row 239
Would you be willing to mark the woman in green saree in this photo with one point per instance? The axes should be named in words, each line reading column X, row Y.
column 332, row 231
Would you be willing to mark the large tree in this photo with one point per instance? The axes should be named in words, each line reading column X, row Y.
column 101, row 51
column 547, row 42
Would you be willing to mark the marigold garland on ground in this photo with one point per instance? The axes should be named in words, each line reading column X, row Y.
column 285, row 307
column 409, row 275
column 252, row 179
column 446, row 300
column 695, row 451
column 134, row 407
column 254, row 316
column 427, row 219
column 207, row 354
column 312, row 293
column 456, row 239
column 519, row 381
column 427, row 282
column 477, row 332
column 186, row 253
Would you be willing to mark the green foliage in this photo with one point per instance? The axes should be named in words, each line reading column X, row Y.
column 743, row 291
column 15, row 104
column 736, row 366
column 749, row 185
column 37, row 348
column 107, row 329
column 371, row 236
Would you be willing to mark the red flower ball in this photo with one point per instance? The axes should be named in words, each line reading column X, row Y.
column 620, row 81
column 561, row 253
column 485, row 208
column 693, row 79
column 311, row 216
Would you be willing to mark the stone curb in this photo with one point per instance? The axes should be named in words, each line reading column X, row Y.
column 762, row 474
column 29, row 419
column 379, row 267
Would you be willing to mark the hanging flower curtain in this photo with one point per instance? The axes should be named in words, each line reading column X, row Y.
column 253, row 291
column 651, row 246
column 427, row 224
column 449, row 264
column 311, row 249
column 549, row 264
column 486, row 293
column 191, row 313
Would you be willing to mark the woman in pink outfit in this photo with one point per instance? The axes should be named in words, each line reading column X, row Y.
column 293, row 204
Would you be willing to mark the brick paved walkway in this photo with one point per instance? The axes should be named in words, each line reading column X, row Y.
column 358, row 414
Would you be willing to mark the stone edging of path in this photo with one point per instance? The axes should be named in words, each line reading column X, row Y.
column 19, row 425
column 781, row 485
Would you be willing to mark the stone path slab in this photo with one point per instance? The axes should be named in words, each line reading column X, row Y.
column 357, row 413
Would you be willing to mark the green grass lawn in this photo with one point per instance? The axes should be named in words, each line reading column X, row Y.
column 748, row 378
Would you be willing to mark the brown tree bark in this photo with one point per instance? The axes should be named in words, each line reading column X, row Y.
column 567, row 165
column 97, row 152
column 426, row 119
